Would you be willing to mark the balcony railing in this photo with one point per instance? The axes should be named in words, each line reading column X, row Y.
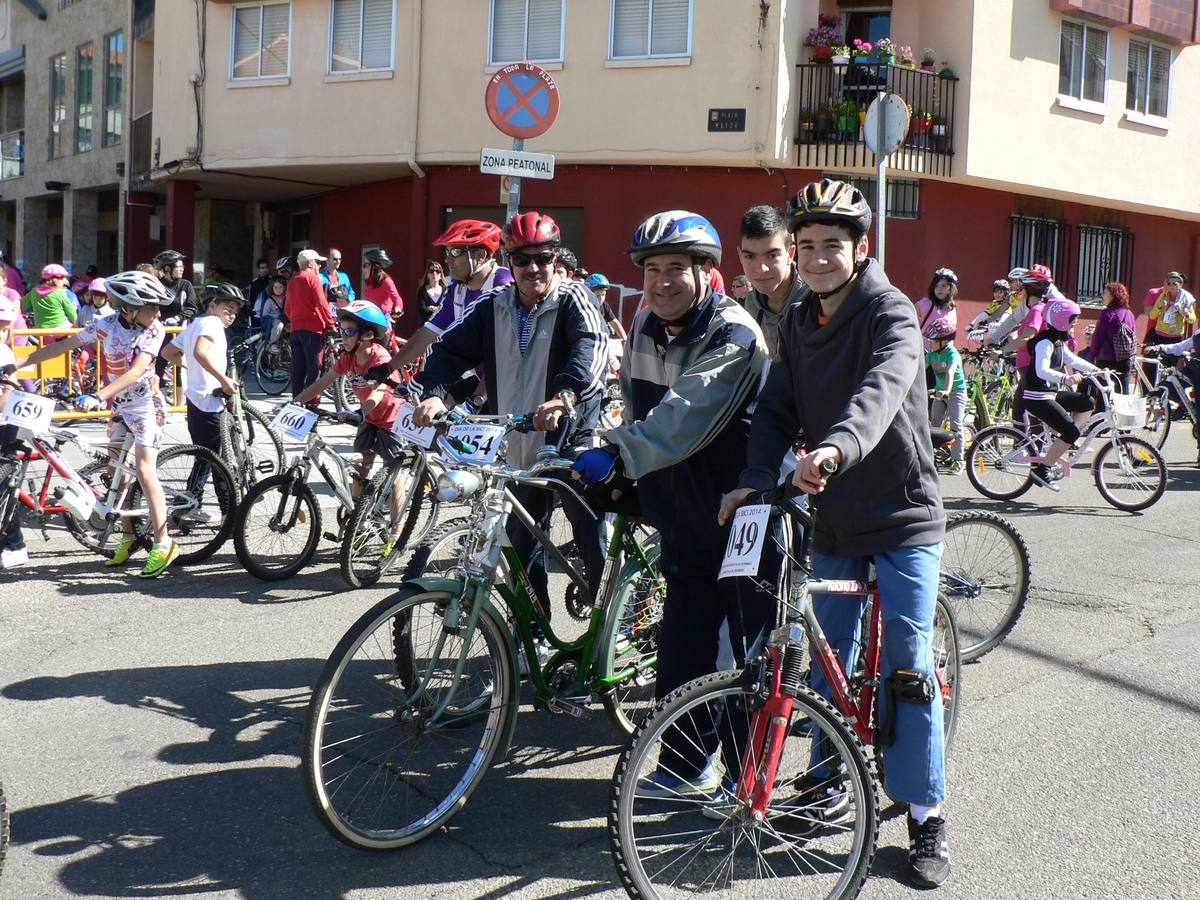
column 140, row 142
column 833, row 100
column 12, row 155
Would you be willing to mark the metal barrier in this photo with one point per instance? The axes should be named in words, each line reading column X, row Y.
column 65, row 368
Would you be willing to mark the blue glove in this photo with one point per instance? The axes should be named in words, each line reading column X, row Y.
column 87, row 402
column 596, row 466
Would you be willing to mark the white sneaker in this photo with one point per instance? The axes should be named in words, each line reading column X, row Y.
column 10, row 559
column 541, row 647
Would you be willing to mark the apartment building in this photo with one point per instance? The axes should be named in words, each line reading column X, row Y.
column 62, row 117
column 1046, row 130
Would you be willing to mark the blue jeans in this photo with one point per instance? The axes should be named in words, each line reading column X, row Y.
column 908, row 582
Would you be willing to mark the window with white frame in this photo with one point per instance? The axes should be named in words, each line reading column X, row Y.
column 1082, row 61
column 262, row 40
column 642, row 29
column 360, row 35
column 525, row 31
column 1149, row 82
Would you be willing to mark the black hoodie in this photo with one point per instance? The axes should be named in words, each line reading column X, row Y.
column 855, row 383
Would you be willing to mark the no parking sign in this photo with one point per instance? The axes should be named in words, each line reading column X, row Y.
column 522, row 100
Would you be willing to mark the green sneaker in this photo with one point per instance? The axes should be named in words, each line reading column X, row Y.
column 389, row 546
column 125, row 548
column 957, row 467
column 159, row 560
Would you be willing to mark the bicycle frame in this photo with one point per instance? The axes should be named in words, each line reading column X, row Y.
column 1169, row 382
column 482, row 568
column 315, row 452
column 109, row 506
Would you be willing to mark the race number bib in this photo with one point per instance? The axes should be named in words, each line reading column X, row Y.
column 404, row 428
column 746, row 538
column 483, row 441
column 27, row 411
column 294, row 421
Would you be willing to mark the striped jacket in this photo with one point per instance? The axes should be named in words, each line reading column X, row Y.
column 567, row 351
column 688, row 401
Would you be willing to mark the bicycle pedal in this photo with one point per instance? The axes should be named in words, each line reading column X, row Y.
column 330, row 536
column 562, row 705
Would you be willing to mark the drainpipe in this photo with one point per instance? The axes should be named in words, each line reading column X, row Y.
column 415, row 89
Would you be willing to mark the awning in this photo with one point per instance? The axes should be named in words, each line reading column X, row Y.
column 12, row 62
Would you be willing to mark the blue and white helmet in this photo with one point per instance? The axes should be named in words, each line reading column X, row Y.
column 367, row 314
column 675, row 231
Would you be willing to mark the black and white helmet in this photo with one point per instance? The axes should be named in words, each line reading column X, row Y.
column 136, row 289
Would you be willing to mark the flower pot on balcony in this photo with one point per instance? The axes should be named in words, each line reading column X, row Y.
column 842, row 60
column 848, row 126
column 824, row 122
column 927, row 65
column 822, row 55
column 807, row 130
column 886, row 59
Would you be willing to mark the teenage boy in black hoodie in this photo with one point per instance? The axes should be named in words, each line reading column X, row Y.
column 850, row 375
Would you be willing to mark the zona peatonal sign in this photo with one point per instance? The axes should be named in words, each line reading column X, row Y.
column 516, row 162
column 522, row 100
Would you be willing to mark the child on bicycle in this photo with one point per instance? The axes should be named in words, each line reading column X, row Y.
column 949, row 389
column 1000, row 304
column 201, row 347
column 131, row 339
column 365, row 330
column 1045, row 385
column 14, row 552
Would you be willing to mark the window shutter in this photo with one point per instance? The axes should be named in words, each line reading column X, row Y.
column 275, row 39
column 1095, row 61
column 1135, row 83
column 508, row 31
column 246, row 20
column 669, row 31
column 1160, row 80
column 545, row 30
column 1070, row 55
column 377, row 34
column 346, row 51
column 631, row 28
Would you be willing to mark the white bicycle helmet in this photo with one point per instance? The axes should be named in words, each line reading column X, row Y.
column 135, row 289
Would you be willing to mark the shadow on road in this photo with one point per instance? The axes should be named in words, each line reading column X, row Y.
column 247, row 827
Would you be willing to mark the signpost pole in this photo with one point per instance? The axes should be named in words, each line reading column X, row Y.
column 880, row 185
column 514, row 186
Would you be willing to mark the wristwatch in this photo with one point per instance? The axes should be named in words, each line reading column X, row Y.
column 568, row 397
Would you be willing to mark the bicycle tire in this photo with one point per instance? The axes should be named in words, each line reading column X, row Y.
column 633, row 628
column 343, row 396
column 1130, row 457
column 257, row 554
column 990, row 451
column 730, row 694
column 360, row 554
column 4, row 827
column 272, row 367
column 388, row 705
column 199, row 530
column 947, row 663
column 1158, row 417
column 985, row 578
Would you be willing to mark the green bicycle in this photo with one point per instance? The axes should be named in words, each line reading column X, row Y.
column 419, row 698
column 991, row 385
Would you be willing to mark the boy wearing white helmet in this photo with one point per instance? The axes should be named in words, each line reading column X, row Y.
column 131, row 339
column 14, row 552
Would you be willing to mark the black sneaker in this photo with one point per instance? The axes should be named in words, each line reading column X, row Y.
column 928, row 851
column 818, row 803
column 1041, row 475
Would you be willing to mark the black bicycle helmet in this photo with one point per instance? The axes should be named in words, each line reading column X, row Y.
column 832, row 203
column 136, row 289
column 948, row 274
column 567, row 257
column 167, row 258
column 1001, row 284
column 223, row 290
column 378, row 258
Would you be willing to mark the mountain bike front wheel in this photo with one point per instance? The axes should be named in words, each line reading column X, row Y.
column 1158, row 417
column 277, row 527
column 1130, row 473
column 272, row 366
column 201, row 497
column 380, row 772
column 631, row 645
column 985, row 574
column 676, row 829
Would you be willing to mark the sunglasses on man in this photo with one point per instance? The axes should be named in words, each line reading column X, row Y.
column 545, row 258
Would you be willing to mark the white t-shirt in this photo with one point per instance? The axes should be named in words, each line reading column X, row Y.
column 200, row 382
column 7, row 357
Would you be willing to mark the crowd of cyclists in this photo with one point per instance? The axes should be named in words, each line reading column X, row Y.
column 820, row 371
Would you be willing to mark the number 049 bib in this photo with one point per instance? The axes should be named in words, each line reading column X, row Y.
column 746, row 537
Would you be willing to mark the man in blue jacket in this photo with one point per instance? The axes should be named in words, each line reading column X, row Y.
column 541, row 343
column 849, row 375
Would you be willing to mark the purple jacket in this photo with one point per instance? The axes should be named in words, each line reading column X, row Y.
column 1101, row 348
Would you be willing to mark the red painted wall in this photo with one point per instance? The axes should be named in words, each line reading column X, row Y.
column 966, row 228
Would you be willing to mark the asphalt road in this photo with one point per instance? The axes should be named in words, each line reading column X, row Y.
column 150, row 732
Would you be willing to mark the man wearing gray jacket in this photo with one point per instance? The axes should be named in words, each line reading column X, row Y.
column 849, row 375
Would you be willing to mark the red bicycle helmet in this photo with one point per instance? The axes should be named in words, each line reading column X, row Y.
column 529, row 230
column 470, row 233
column 1037, row 274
